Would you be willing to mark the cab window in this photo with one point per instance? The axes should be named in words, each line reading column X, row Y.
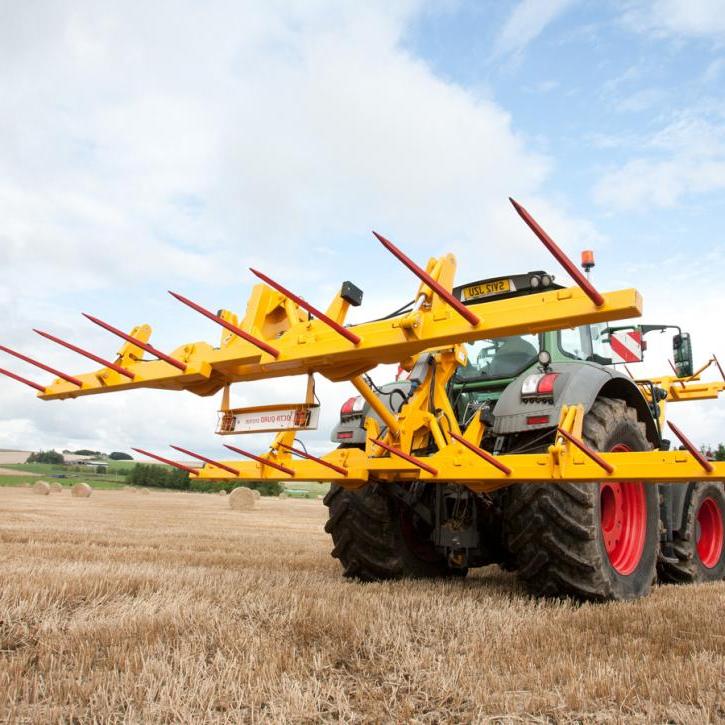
column 576, row 342
column 602, row 352
column 504, row 357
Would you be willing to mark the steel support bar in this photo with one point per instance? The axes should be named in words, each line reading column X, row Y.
column 376, row 404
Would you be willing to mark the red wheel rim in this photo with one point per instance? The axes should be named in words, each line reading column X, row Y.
column 709, row 533
column 623, row 514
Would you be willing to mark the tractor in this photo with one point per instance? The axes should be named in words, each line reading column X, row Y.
column 511, row 438
column 609, row 541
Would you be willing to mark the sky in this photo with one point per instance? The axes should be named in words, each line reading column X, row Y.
column 172, row 145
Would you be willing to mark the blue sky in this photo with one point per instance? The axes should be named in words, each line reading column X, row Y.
column 146, row 148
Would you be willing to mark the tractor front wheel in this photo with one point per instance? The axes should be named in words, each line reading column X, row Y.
column 699, row 545
column 595, row 541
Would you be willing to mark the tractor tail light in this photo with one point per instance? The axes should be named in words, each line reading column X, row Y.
column 352, row 406
column 539, row 385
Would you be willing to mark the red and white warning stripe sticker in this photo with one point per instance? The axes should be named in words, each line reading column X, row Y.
column 626, row 346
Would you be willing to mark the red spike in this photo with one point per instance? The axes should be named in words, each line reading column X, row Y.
column 22, row 380
column 586, row 286
column 263, row 461
column 206, row 460
column 134, row 341
column 691, row 447
column 584, row 448
column 406, row 457
column 483, row 454
column 321, row 316
column 193, row 471
column 227, row 325
column 421, row 274
column 40, row 365
column 87, row 354
column 342, row 471
column 717, row 362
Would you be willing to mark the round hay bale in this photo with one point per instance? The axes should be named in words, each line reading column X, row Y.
column 222, row 492
column 55, row 487
column 42, row 488
column 242, row 499
column 81, row 490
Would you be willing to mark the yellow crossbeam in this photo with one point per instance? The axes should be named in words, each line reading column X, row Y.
column 456, row 464
column 307, row 346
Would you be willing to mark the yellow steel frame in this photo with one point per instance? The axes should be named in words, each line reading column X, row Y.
column 455, row 463
column 306, row 346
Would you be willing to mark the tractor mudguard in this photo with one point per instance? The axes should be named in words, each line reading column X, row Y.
column 578, row 383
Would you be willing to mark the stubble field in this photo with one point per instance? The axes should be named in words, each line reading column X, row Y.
column 171, row 607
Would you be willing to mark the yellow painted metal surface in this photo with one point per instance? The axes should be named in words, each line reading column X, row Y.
column 426, row 421
column 307, row 345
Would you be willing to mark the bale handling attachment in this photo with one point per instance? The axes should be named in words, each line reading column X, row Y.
column 281, row 334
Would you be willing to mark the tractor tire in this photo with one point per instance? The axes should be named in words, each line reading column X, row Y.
column 376, row 539
column 588, row 541
column 699, row 546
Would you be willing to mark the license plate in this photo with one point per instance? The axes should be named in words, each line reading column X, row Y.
column 486, row 289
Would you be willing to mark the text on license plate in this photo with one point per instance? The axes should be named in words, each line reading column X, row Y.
column 486, row 289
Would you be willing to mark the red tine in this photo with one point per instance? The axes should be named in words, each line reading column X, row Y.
column 42, row 366
column 587, row 287
column 422, row 275
column 134, row 341
column 406, row 457
column 483, row 454
column 87, row 354
column 210, row 461
column 584, row 448
column 691, row 447
column 22, row 380
column 304, row 454
column 227, row 325
column 167, row 461
column 321, row 316
column 263, row 461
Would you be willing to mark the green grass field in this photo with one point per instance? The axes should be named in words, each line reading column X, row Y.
column 114, row 478
column 65, row 475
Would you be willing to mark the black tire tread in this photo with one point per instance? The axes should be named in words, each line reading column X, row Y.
column 364, row 526
column 551, row 530
column 685, row 570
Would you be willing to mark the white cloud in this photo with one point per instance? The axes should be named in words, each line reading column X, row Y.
column 703, row 18
column 685, row 157
column 174, row 144
column 527, row 21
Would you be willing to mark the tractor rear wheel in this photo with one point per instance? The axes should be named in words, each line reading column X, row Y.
column 377, row 538
column 589, row 541
column 699, row 546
